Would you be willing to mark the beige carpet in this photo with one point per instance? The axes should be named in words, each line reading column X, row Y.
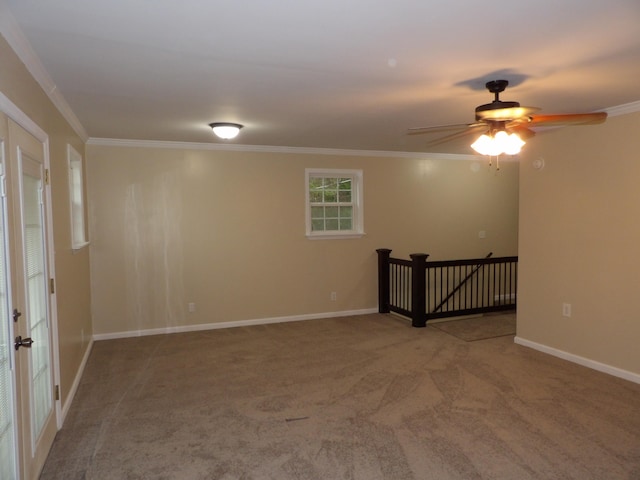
column 363, row 397
column 479, row 328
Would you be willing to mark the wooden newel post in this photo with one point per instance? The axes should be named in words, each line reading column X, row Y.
column 383, row 280
column 419, row 289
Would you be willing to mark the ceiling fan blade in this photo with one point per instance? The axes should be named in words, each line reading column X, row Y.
column 477, row 128
column 438, row 128
column 523, row 132
column 506, row 114
column 568, row 119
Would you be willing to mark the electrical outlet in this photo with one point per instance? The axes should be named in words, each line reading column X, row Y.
column 566, row 309
column 334, row 296
column 192, row 307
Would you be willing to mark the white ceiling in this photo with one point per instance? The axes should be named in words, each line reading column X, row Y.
column 340, row 74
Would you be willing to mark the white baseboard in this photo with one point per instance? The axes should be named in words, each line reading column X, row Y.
column 74, row 388
column 238, row 323
column 585, row 362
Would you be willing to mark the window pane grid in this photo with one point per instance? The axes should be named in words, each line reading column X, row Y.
column 334, row 203
column 76, row 197
column 331, row 203
column 37, row 303
column 7, row 411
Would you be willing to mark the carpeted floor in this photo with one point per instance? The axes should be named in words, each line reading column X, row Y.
column 480, row 327
column 364, row 397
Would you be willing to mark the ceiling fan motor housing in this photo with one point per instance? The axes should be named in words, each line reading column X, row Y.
column 495, row 87
column 495, row 105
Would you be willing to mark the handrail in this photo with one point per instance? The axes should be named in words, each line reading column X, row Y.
column 412, row 287
column 459, row 286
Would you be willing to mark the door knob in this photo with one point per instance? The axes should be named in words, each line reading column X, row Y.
column 23, row 342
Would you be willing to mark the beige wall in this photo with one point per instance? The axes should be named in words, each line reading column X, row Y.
column 580, row 242
column 225, row 230
column 72, row 270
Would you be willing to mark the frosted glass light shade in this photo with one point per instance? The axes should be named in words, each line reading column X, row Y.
column 501, row 142
column 225, row 130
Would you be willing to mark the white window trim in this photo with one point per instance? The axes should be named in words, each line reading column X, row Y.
column 74, row 158
column 358, row 205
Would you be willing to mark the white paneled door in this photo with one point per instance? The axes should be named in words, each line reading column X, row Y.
column 8, row 432
column 27, row 320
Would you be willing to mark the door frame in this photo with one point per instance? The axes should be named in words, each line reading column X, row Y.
column 11, row 110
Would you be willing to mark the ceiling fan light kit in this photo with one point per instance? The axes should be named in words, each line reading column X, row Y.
column 226, row 130
column 499, row 143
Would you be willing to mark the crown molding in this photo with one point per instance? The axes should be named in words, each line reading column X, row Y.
column 115, row 142
column 18, row 42
column 624, row 109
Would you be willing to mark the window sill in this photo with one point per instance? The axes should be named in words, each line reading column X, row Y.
column 334, row 236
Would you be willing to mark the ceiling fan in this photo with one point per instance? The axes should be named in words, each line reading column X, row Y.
column 504, row 124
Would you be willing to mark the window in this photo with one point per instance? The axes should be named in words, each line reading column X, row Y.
column 76, row 199
column 334, row 203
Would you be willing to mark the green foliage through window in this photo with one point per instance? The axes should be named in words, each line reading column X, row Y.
column 334, row 203
column 331, row 203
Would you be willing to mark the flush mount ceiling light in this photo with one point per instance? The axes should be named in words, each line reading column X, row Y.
column 226, row 130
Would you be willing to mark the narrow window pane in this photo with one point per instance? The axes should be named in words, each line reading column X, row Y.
column 7, row 407
column 346, row 212
column 345, row 184
column 331, row 224
column 317, row 225
column 36, row 298
column 315, row 183
column 315, row 196
column 317, row 212
column 76, row 197
column 330, row 196
column 331, row 212
column 331, row 183
column 345, row 224
column 344, row 196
